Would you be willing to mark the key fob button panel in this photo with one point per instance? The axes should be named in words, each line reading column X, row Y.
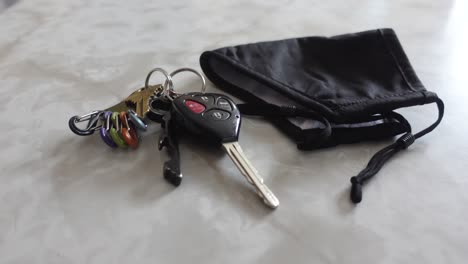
column 210, row 120
column 194, row 106
column 224, row 104
column 216, row 114
column 206, row 99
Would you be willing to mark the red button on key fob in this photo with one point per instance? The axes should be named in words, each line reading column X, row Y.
column 194, row 106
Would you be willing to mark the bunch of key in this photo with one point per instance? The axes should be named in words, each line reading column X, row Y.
column 213, row 116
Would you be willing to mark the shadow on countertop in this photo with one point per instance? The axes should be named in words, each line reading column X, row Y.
column 5, row 4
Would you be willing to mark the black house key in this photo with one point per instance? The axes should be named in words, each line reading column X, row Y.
column 217, row 117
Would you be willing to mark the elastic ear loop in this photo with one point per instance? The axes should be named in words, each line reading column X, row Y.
column 114, row 131
column 381, row 157
column 128, row 133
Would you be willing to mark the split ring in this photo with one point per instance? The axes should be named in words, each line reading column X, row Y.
column 167, row 82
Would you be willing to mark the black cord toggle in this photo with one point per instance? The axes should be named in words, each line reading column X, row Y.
column 381, row 157
column 356, row 190
column 407, row 140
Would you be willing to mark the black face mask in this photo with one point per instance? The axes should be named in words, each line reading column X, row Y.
column 327, row 91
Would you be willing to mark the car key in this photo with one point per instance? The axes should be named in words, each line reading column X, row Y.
column 216, row 116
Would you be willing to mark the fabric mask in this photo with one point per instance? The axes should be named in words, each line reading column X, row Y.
column 325, row 91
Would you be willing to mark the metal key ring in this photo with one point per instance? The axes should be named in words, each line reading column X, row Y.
column 172, row 74
column 166, row 83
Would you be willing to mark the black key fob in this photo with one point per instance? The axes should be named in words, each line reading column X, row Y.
column 211, row 115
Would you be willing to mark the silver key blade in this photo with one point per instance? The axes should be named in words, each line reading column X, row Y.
column 234, row 151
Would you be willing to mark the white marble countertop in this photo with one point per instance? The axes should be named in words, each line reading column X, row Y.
column 70, row 199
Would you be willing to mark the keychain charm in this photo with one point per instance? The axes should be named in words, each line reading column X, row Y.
column 161, row 111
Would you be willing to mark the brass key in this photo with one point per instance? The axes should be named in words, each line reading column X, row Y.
column 138, row 101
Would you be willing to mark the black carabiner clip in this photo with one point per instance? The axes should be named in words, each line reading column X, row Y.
column 92, row 126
